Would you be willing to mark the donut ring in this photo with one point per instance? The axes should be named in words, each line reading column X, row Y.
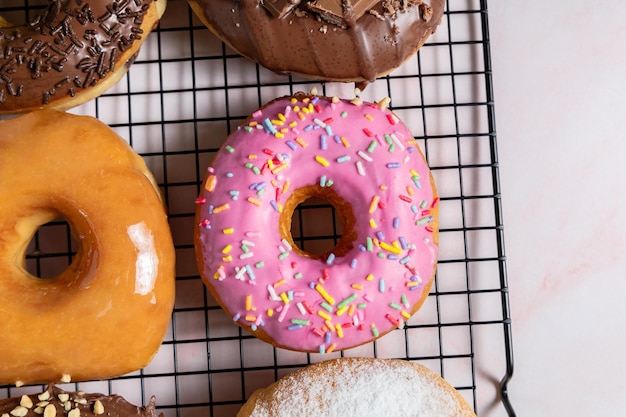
column 107, row 313
column 358, row 387
column 318, row 40
column 365, row 162
column 72, row 52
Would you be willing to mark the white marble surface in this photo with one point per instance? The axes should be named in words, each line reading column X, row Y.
column 559, row 94
column 559, row 115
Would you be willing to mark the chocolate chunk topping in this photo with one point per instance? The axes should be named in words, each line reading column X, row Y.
column 337, row 12
column 341, row 12
column 280, row 8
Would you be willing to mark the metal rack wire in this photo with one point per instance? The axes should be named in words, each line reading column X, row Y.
column 182, row 97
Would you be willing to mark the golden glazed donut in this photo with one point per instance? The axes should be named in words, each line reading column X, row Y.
column 72, row 52
column 361, row 387
column 331, row 40
column 107, row 313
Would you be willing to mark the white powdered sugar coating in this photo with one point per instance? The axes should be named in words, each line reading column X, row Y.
column 360, row 388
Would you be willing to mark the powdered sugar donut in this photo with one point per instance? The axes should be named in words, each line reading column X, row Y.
column 365, row 162
column 359, row 387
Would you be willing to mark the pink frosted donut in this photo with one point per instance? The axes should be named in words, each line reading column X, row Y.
column 365, row 162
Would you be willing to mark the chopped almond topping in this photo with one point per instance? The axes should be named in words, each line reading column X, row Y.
column 50, row 411
column 98, row 408
column 19, row 411
column 25, row 401
column 44, row 396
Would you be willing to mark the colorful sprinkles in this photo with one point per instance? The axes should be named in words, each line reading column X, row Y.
column 340, row 301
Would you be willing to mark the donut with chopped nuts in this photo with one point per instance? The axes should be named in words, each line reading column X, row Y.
column 71, row 52
column 55, row 402
column 330, row 40
column 106, row 314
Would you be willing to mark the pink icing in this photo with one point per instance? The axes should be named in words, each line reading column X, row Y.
column 371, row 160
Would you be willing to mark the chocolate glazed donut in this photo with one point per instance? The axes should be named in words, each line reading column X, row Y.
column 328, row 40
column 71, row 52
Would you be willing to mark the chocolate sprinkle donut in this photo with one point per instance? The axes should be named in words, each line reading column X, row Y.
column 71, row 52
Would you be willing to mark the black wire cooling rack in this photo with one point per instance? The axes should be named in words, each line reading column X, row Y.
column 182, row 97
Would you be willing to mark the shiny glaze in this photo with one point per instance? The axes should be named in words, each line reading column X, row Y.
column 283, row 295
column 306, row 46
column 107, row 313
column 72, row 46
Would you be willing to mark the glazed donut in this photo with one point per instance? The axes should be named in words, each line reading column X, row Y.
column 107, row 313
column 73, row 404
column 72, row 52
column 320, row 39
column 363, row 160
column 359, row 387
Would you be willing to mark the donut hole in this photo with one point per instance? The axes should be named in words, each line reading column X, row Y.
column 51, row 249
column 316, row 221
column 316, row 227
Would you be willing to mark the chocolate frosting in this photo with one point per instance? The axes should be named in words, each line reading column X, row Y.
column 69, row 47
column 301, row 41
column 64, row 402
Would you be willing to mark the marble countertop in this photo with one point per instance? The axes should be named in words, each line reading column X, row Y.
column 559, row 85
column 558, row 80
